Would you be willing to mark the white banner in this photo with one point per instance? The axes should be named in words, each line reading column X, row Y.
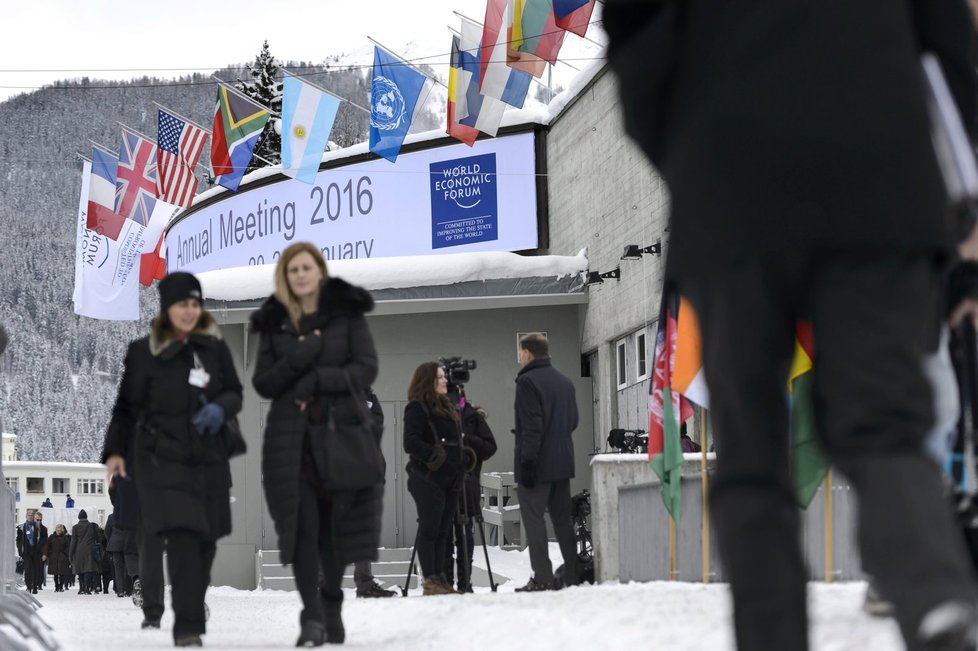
column 449, row 199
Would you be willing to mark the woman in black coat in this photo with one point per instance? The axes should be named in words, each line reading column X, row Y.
column 435, row 473
column 57, row 555
column 178, row 388
column 316, row 357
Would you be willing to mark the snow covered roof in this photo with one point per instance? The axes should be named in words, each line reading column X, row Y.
column 399, row 273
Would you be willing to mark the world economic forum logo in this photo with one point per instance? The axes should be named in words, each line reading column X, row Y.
column 464, row 201
column 388, row 108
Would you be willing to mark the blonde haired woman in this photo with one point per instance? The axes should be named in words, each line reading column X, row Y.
column 316, row 357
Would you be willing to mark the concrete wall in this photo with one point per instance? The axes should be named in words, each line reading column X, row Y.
column 603, row 195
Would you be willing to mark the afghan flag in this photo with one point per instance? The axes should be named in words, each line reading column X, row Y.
column 574, row 15
column 808, row 466
column 534, row 37
column 667, row 409
column 238, row 123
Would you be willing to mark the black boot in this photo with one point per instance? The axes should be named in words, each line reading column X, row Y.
column 335, row 634
column 313, row 634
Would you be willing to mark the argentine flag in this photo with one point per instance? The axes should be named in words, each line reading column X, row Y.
column 307, row 119
column 397, row 93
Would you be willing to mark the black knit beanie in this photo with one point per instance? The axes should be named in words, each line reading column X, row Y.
column 178, row 286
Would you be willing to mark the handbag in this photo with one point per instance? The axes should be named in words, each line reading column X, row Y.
column 97, row 551
column 348, row 456
column 234, row 441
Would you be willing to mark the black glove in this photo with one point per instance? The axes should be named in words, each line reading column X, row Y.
column 305, row 350
column 209, row 418
column 528, row 474
column 305, row 388
column 437, row 459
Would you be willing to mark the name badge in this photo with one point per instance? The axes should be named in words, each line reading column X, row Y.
column 199, row 378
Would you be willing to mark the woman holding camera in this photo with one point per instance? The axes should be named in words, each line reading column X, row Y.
column 316, row 358
column 178, row 388
column 433, row 440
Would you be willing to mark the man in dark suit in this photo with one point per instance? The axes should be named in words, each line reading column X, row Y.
column 32, row 536
column 546, row 417
column 794, row 139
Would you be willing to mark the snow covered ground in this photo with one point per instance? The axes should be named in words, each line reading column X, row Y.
column 674, row 616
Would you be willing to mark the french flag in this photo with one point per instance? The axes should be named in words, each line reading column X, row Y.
column 102, row 217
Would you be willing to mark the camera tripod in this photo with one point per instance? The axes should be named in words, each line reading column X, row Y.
column 458, row 526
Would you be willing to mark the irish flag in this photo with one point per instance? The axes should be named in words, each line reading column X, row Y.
column 808, row 466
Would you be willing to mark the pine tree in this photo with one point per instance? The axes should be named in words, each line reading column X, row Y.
column 265, row 88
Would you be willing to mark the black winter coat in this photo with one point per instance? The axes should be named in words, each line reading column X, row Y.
column 476, row 434
column 346, row 351
column 38, row 546
column 57, row 553
column 182, row 478
column 546, row 417
column 84, row 535
column 769, row 139
column 426, row 430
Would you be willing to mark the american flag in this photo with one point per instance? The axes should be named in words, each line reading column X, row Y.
column 135, row 190
column 180, row 145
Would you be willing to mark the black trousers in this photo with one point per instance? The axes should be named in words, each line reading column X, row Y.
column 874, row 318
column 314, row 554
column 189, row 558
column 151, row 572
column 459, row 547
column 436, row 508
column 555, row 498
column 32, row 567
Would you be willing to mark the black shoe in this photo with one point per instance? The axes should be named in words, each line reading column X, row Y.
column 150, row 623
column 875, row 605
column 465, row 588
column 34, row 591
column 375, row 591
column 312, row 634
column 536, row 586
column 137, row 593
column 951, row 626
column 188, row 640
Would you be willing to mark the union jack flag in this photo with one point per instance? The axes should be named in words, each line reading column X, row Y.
column 135, row 189
column 180, row 146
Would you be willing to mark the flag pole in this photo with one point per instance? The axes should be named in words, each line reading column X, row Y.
column 103, row 148
column 177, row 115
column 829, row 570
column 672, row 548
column 323, row 90
column 133, row 131
column 83, row 157
column 406, row 62
column 704, row 477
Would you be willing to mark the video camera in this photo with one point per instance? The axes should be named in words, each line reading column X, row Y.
column 629, row 440
column 456, row 369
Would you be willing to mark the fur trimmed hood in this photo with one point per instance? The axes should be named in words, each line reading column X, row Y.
column 164, row 344
column 336, row 297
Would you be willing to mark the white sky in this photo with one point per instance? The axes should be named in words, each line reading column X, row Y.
column 113, row 39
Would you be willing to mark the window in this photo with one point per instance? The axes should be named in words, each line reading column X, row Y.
column 11, row 483
column 641, row 356
column 35, row 484
column 621, row 358
column 60, row 486
column 91, row 487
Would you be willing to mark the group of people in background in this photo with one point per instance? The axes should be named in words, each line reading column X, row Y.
column 63, row 556
column 174, row 430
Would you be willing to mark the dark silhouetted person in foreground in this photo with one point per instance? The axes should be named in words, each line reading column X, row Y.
column 813, row 192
